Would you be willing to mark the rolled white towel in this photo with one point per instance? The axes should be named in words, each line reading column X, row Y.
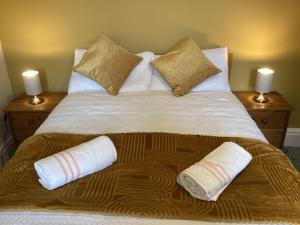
column 76, row 162
column 208, row 178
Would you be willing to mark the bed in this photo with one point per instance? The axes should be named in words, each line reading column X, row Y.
column 157, row 135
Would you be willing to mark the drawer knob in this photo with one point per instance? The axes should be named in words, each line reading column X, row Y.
column 31, row 122
column 264, row 121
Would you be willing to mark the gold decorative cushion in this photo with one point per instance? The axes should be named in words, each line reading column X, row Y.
column 108, row 64
column 184, row 67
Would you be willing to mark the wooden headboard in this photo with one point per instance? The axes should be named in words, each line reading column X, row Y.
column 230, row 58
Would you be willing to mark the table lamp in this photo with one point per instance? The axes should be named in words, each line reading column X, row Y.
column 263, row 84
column 32, row 86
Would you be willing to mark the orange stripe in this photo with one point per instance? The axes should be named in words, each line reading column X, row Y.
column 214, row 165
column 68, row 163
column 214, row 169
column 75, row 163
column 211, row 171
column 62, row 167
column 221, row 167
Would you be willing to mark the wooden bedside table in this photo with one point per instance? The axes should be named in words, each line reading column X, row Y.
column 271, row 117
column 25, row 118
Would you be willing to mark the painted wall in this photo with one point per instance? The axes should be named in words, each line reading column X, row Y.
column 5, row 87
column 43, row 34
column 6, row 95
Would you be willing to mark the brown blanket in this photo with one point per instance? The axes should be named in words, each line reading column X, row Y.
column 143, row 180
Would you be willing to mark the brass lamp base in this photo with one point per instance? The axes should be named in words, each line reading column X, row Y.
column 260, row 98
column 35, row 100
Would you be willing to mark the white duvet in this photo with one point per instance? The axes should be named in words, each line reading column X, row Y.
column 206, row 113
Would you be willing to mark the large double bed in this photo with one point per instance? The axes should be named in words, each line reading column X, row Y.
column 157, row 135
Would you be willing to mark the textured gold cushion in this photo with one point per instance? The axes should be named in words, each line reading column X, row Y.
column 108, row 64
column 184, row 67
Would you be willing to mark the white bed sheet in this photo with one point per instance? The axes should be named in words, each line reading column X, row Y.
column 47, row 218
column 207, row 113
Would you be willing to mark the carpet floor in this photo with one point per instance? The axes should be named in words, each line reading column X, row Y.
column 294, row 155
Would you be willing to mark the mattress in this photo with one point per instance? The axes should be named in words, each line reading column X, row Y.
column 207, row 113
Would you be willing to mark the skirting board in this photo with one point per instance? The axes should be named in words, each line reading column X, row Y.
column 292, row 138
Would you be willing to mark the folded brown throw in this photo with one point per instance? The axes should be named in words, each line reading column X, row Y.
column 143, row 180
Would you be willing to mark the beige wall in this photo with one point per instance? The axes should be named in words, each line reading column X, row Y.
column 43, row 34
column 6, row 95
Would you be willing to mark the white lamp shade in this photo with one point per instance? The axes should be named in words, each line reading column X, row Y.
column 264, row 80
column 32, row 82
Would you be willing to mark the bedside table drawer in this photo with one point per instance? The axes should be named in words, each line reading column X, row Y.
column 275, row 137
column 28, row 120
column 25, row 119
column 21, row 135
column 270, row 119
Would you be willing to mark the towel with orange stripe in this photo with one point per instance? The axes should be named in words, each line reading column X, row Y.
column 76, row 162
column 208, row 178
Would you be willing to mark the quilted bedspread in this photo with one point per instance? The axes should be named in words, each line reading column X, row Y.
column 142, row 183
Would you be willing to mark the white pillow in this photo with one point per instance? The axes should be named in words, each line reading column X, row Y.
column 138, row 80
column 218, row 82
